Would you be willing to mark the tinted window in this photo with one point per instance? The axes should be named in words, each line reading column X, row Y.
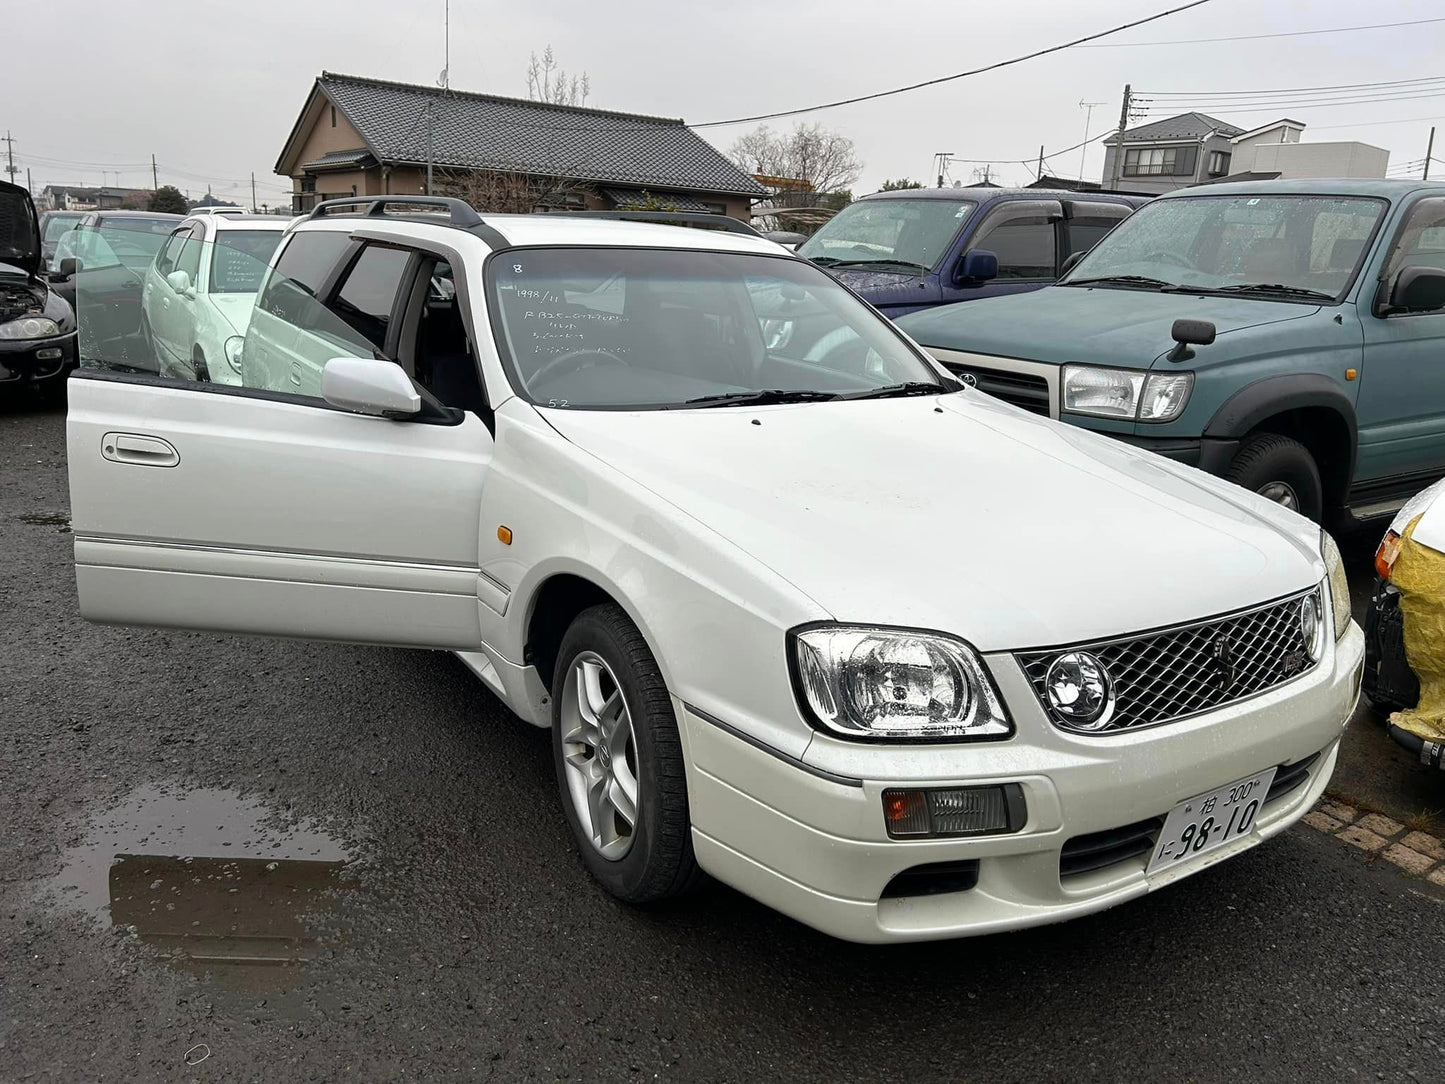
column 368, row 295
column 1085, row 233
column 1025, row 247
column 309, row 258
column 1421, row 242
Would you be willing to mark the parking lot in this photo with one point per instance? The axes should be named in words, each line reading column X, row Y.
column 381, row 810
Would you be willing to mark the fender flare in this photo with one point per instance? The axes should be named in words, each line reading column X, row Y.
column 1253, row 403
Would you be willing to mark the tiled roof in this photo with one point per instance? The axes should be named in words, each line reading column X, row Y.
column 628, row 198
column 483, row 131
column 337, row 159
column 1184, row 126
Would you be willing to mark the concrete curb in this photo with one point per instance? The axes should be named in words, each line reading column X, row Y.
column 1416, row 853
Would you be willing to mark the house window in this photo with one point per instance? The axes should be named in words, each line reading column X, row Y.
column 1159, row 161
column 1218, row 163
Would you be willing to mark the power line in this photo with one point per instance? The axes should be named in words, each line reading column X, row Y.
column 1285, row 90
column 958, row 75
column 1256, row 37
column 1173, row 109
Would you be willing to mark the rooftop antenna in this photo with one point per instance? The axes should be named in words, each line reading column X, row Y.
column 1084, row 150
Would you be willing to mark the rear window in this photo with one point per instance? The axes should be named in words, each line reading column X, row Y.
column 240, row 258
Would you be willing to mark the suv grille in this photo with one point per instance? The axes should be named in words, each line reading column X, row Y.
column 1160, row 677
column 1023, row 390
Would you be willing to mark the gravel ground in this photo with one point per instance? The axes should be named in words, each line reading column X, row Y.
column 463, row 939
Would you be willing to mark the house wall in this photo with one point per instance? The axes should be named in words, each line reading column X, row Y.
column 1340, row 159
column 1155, row 186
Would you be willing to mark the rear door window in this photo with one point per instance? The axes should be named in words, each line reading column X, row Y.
column 368, row 294
column 1025, row 247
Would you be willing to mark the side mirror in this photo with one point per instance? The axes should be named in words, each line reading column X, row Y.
column 1071, row 262
column 1418, row 289
column 369, row 386
column 179, row 281
column 69, row 266
column 1186, row 333
column 978, row 265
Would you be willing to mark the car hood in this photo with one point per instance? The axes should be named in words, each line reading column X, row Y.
column 957, row 512
column 1101, row 325
column 235, row 308
column 19, row 229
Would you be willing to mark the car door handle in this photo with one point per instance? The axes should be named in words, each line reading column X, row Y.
column 142, row 450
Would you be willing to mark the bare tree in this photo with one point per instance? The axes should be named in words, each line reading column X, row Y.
column 504, row 192
column 822, row 159
column 547, row 82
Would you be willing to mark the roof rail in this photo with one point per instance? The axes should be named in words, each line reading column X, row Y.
column 670, row 218
column 462, row 214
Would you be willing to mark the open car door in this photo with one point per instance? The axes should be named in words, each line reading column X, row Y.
column 254, row 509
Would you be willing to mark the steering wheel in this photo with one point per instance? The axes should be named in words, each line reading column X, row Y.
column 550, row 367
column 1170, row 257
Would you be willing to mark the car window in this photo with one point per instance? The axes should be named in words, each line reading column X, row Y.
column 643, row 328
column 166, row 257
column 239, row 259
column 301, row 269
column 1421, row 239
column 189, row 257
column 369, row 291
column 57, row 226
column 1024, row 246
column 1086, row 232
column 892, row 234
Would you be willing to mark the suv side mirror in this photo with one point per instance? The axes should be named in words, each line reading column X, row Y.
column 1417, row 289
column 1071, row 262
column 369, row 386
column 978, row 265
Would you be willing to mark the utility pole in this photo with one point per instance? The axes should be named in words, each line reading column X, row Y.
column 428, row 146
column 1119, row 145
column 10, row 167
column 1040, row 170
column 1429, row 150
column 940, row 164
column 1084, row 149
column 253, row 191
column 154, row 183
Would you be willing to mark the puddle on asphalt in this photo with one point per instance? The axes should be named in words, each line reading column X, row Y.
column 217, row 882
column 47, row 519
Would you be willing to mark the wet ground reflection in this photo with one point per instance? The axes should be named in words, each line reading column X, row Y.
column 218, row 882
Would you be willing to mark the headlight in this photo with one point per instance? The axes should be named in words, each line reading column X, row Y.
column 233, row 351
column 894, row 683
column 29, row 327
column 1126, row 393
column 1339, row 584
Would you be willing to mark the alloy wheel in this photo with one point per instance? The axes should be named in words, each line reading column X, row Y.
column 599, row 752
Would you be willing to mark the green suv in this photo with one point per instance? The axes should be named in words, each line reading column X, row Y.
column 1286, row 335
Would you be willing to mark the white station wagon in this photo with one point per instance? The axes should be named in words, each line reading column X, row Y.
column 801, row 612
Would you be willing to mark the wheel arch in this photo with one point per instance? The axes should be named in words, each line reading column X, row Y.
column 1308, row 407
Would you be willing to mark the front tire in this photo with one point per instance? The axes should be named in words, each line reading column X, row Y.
column 1282, row 470
column 619, row 761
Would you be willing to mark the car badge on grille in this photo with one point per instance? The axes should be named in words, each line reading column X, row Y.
column 1221, row 654
column 969, row 379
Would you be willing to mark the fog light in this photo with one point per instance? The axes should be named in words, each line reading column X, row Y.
column 50, row 353
column 956, row 811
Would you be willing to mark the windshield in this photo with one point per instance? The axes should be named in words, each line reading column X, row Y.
column 240, row 260
column 653, row 328
column 1308, row 245
column 907, row 235
column 58, row 225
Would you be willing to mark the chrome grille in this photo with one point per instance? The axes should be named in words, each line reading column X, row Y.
column 1159, row 677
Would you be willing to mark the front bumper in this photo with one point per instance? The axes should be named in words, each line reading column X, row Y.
column 31, row 361
column 808, row 837
column 1210, row 454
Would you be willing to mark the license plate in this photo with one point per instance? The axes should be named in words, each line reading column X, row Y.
column 1200, row 824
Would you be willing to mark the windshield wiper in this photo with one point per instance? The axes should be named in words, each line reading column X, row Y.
column 1122, row 280
column 878, row 263
column 897, row 391
column 1274, row 288
column 759, row 398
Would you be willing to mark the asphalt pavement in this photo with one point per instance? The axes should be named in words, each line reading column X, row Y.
column 181, row 814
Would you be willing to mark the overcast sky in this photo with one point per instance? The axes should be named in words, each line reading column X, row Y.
column 213, row 96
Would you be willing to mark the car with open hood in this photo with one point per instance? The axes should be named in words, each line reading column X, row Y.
column 891, row 656
column 1281, row 334
column 37, row 328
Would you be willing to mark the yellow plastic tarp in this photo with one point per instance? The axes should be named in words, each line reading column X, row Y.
column 1419, row 573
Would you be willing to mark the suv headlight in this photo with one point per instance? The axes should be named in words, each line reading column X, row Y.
column 233, row 351
column 30, row 327
column 881, row 683
column 1126, row 393
column 1339, row 584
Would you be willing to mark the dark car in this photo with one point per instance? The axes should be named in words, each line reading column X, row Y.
column 921, row 247
column 99, row 268
column 53, row 226
column 37, row 328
